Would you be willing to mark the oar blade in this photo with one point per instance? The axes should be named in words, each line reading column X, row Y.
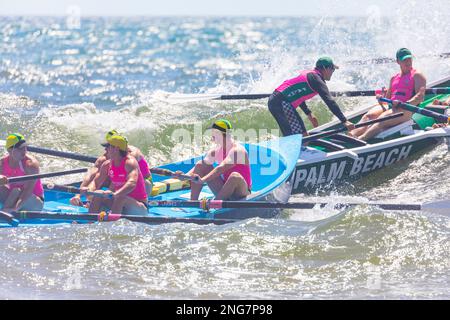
column 174, row 98
column 440, row 207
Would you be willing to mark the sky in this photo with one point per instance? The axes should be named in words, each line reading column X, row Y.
column 193, row 7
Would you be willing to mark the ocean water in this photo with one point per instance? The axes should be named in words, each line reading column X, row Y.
column 64, row 87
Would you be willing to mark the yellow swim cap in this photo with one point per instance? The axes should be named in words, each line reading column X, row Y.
column 14, row 139
column 222, row 125
column 118, row 141
column 110, row 134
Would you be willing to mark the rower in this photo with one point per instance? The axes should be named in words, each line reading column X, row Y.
column 231, row 178
column 134, row 151
column 127, row 185
column 406, row 86
column 27, row 195
column 294, row 93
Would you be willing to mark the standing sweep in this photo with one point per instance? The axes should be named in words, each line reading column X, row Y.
column 294, row 92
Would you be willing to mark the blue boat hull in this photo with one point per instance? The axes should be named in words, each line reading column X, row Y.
column 272, row 164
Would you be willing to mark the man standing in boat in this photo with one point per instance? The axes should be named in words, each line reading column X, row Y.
column 294, row 93
column 133, row 151
column 231, row 178
column 406, row 86
column 127, row 187
column 28, row 195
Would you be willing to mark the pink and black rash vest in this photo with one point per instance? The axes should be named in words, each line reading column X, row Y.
column 297, row 90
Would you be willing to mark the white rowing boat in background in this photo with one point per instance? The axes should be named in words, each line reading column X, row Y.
column 328, row 162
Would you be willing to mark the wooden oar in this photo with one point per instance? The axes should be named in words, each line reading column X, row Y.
column 75, row 190
column 81, row 157
column 434, row 206
column 359, row 125
column 167, row 172
column 9, row 218
column 181, row 98
column 439, row 117
column 390, row 60
column 103, row 217
column 42, row 175
column 62, row 154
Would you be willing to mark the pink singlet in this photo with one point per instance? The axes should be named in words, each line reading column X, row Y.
column 118, row 176
column 402, row 87
column 242, row 169
column 15, row 172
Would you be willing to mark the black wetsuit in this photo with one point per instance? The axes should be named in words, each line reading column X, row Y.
column 288, row 118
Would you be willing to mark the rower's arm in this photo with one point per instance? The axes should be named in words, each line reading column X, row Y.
column 224, row 166
column 305, row 108
column 209, row 159
column 319, row 85
column 419, row 82
column 92, row 173
column 132, row 168
column 100, row 177
column 389, row 90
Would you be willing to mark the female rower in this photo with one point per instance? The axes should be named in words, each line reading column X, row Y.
column 231, row 178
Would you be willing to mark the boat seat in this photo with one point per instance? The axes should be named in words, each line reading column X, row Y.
column 327, row 144
column 345, row 138
column 405, row 128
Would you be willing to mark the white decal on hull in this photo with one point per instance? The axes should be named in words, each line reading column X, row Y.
column 319, row 175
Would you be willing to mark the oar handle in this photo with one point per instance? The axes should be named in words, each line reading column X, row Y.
column 44, row 175
column 167, row 172
column 75, row 190
column 359, row 125
column 425, row 112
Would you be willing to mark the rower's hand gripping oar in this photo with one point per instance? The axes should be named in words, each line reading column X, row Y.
column 439, row 117
column 5, row 180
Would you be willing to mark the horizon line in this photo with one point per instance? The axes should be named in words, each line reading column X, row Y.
column 14, row 15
